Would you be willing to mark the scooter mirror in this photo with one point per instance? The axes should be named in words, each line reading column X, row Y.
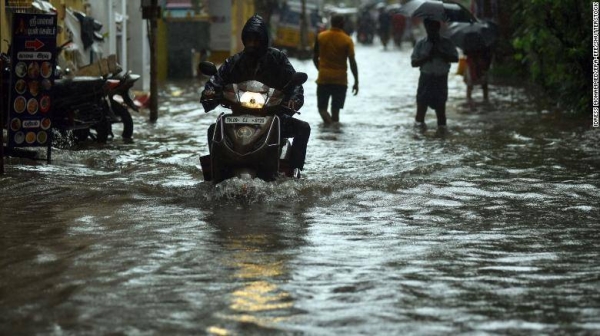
column 207, row 68
column 299, row 78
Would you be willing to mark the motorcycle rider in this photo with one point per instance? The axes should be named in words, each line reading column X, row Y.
column 366, row 27
column 270, row 66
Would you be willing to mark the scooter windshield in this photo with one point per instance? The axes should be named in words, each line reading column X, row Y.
column 253, row 86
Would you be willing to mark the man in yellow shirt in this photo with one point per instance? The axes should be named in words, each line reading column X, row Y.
column 332, row 48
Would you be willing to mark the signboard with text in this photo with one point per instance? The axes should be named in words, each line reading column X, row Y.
column 18, row 4
column 32, row 78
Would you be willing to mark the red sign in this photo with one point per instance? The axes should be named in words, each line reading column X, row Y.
column 35, row 44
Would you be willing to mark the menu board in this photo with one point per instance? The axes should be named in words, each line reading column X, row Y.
column 18, row 4
column 32, row 78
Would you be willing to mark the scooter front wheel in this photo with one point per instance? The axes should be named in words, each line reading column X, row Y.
column 81, row 134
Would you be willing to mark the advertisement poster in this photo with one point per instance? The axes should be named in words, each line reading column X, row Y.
column 32, row 66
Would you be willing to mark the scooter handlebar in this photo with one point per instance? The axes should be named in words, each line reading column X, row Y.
column 289, row 111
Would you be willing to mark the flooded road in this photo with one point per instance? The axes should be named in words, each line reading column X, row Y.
column 491, row 228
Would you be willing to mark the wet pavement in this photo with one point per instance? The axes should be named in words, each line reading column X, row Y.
column 490, row 228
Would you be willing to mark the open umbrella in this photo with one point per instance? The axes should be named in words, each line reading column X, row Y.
column 472, row 36
column 393, row 8
column 438, row 10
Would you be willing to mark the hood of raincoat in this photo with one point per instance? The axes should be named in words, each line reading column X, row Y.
column 257, row 26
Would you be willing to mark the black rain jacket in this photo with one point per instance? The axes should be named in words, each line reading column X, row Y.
column 272, row 68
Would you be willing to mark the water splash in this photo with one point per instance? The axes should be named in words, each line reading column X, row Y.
column 252, row 190
column 63, row 140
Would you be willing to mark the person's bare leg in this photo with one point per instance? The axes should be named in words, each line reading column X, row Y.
column 420, row 116
column 485, row 92
column 335, row 115
column 421, row 110
column 441, row 115
column 469, row 94
column 325, row 115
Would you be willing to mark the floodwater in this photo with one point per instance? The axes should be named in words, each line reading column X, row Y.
column 491, row 228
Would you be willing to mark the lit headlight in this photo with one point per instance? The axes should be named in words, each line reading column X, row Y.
column 252, row 100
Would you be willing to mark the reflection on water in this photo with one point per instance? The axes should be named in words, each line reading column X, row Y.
column 490, row 228
column 255, row 240
column 256, row 297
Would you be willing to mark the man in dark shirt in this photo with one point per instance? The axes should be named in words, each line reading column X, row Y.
column 271, row 67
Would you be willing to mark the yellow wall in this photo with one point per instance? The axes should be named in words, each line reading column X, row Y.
column 241, row 11
column 4, row 28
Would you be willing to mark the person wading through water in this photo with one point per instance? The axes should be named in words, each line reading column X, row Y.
column 433, row 55
column 332, row 49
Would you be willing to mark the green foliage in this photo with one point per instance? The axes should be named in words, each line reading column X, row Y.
column 552, row 38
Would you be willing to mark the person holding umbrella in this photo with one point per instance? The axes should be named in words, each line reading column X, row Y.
column 384, row 20
column 433, row 55
column 479, row 61
column 476, row 40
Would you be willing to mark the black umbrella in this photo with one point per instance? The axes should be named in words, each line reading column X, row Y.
column 472, row 36
column 442, row 10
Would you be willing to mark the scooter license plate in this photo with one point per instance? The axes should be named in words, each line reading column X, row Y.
column 246, row 120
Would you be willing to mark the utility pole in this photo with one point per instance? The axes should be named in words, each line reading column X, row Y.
column 153, row 62
column 1, row 128
column 303, row 52
column 1, row 144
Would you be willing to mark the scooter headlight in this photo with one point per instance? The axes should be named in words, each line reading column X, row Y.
column 252, row 100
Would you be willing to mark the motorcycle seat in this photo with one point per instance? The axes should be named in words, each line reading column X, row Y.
column 83, row 83
column 82, row 79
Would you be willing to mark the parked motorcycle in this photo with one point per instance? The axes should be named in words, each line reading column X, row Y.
column 107, row 100
column 116, row 101
column 80, row 106
column 247, row 142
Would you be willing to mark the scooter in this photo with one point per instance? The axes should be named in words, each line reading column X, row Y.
column 80, row 106
column 247, row 142
column 107, row 101
column 365, row 35
column 94, row 104
column 365, row 32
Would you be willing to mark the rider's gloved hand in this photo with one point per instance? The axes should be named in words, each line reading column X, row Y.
column 291, row 107
column 209, row 100
column 208, row 94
